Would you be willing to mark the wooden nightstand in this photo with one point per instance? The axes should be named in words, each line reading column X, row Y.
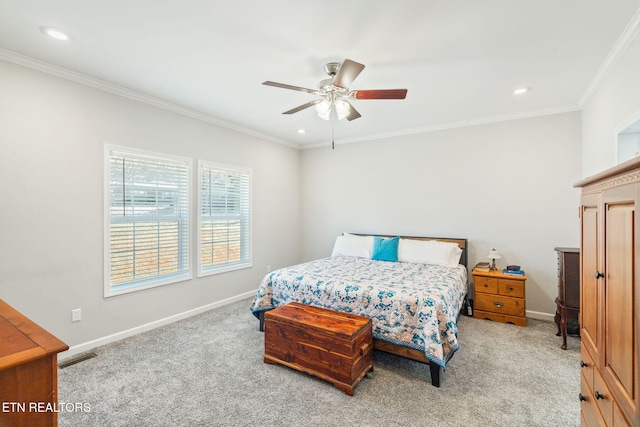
column 500, row 297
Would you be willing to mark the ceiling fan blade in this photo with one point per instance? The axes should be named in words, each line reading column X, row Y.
column 347, row 73
column 285, row 86
column 303, row 106
column 353, row 113
column 379, row 94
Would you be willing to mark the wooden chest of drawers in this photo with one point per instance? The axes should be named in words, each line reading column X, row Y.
column 500, row 297
column 28, row 371
column 336, row 347
column 568, row 300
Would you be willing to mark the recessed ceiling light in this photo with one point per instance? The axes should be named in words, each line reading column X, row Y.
column 302, row 131
column 55, row 33
column 521, row 90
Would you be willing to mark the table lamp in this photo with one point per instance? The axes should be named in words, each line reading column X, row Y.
column 493, row 254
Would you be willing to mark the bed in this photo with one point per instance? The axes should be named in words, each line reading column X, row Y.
column 414, row 299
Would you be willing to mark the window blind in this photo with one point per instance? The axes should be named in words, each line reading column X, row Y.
column 225, row 218
column 148, row 220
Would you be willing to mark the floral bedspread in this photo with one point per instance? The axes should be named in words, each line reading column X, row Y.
column 413, row 305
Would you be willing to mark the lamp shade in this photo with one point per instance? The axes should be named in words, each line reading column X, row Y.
column 342, row 109
column 493, row 254
column 324, row 109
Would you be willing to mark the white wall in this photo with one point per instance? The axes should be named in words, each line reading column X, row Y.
column 628, row 146
column 506, row 185
column 614, row 105
column 52, row 134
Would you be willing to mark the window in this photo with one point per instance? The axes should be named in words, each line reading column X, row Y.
column 147, row 220
column 224, row 220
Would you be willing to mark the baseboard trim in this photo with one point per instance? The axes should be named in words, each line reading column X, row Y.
column 90, row 345
column 538, row 315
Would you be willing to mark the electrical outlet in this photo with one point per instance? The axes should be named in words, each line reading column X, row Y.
column 269, row 268
column 76, row 315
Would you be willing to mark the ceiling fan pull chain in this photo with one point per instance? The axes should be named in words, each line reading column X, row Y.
column 333, row 142
column 333, row 129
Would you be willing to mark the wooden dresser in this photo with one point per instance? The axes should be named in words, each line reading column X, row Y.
column 28, row 371
column 610, row 297
column 568, row 300
column 334, row 346
column 500, row 297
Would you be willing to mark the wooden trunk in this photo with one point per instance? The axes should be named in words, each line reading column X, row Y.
column 336, row 347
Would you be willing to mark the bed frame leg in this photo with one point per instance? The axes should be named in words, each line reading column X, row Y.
column 261, row 317
column 435, row 374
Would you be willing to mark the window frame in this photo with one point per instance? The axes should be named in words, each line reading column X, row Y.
column 248, row 263
column 159, row 280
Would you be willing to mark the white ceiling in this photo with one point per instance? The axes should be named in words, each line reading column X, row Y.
column 460, row 60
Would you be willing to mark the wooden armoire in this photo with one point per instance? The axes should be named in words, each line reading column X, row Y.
column 610, row 296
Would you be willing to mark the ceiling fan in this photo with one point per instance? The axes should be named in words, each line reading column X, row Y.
column 334, row 95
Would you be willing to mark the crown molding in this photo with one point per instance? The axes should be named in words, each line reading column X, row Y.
column 622, row 44
column 105, row 86
column 453, row 125
column 619, row 48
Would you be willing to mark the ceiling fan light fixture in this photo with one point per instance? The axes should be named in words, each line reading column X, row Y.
column 342, row 109
column 341, row 106
column 324, row 109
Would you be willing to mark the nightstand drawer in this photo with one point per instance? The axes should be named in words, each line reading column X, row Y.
column 486, row 285
column 511, row 288
column 500, row 304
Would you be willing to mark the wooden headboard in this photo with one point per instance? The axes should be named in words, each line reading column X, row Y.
column 462, row 243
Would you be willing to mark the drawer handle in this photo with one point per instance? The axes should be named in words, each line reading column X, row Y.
column 498, row 304
column 583, row 365
column 597, row 395
column 486, row 285
column 364, row 349
column 599, row 275
column 581, row 397
column 510, row 288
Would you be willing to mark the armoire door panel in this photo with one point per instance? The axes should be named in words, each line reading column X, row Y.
column 589, row 265
column 619, row 299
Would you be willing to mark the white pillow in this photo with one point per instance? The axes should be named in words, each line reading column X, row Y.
column 429, row 252
column 455, row 256
column 352, row 245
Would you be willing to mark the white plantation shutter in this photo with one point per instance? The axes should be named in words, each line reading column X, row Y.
column 224, row 220
column 148, row 220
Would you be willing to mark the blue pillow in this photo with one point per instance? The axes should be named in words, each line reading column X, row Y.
column 385, row 249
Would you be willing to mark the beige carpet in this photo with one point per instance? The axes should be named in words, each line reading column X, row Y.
column 208, row 371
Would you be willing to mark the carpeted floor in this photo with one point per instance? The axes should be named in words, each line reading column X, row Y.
column 208, row 371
